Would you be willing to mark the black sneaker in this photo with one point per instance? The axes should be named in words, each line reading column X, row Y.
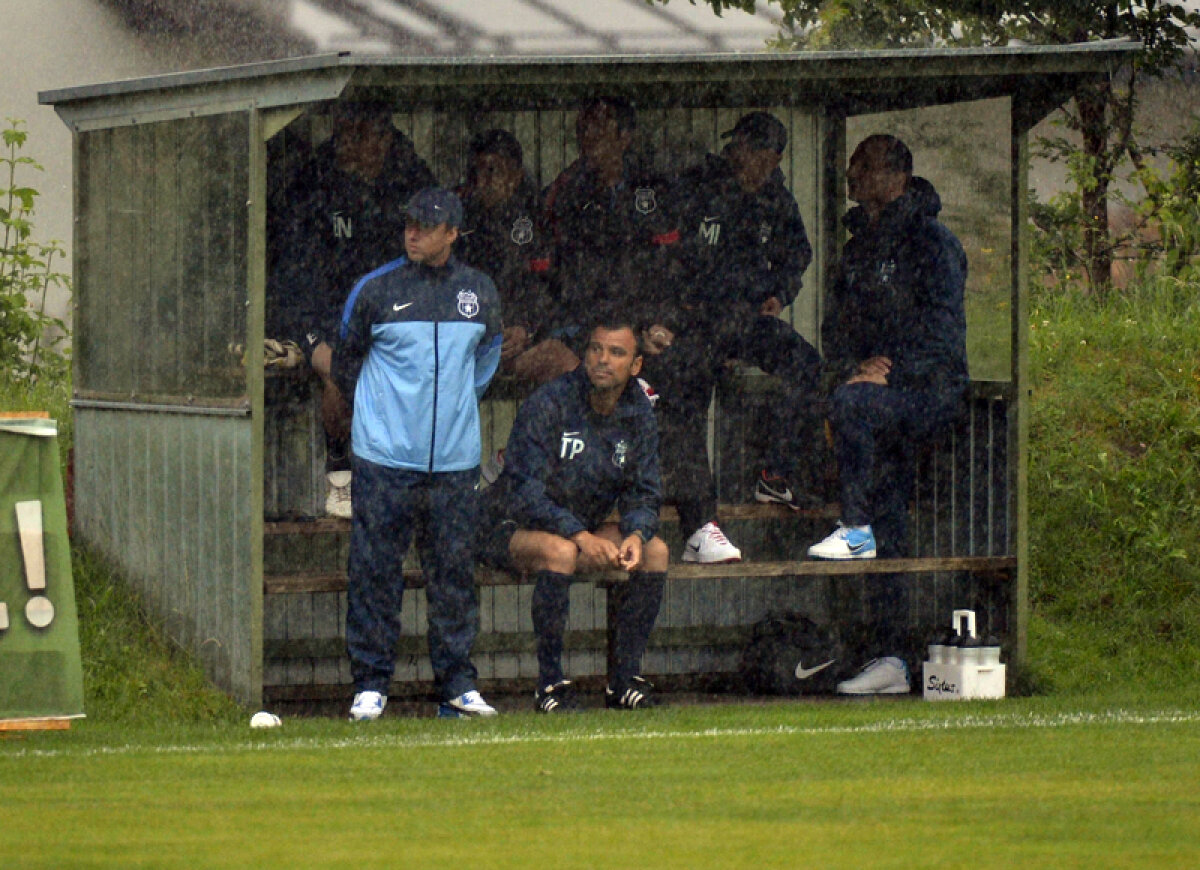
column 559, row 698
column 637, row 697
column 770, row 489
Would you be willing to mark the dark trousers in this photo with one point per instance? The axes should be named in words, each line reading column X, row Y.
column 391, row 506
column 877, row 430
column 684, row 377
column 637, row 603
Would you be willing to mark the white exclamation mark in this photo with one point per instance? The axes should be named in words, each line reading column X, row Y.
column 38, row 610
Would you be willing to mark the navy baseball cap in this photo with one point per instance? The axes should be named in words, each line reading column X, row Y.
column 760, row 130
column 434, row 206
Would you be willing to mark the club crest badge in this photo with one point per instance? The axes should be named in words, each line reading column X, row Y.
column 620, row 449
column 644, row 201
column 522, row 231
column 468, row 303
column 764, row 233
column 886, row 270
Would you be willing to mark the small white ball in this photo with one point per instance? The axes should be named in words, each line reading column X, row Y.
column 263, row 719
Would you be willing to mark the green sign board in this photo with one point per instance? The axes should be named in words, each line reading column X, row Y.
column 40, row 670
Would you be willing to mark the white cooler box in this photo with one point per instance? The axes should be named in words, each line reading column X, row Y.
column 961, row 672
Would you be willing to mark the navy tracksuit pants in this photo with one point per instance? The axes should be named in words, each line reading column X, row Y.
column 391, row 506
column 876, row 431
column 636, row 608
column 684, row 377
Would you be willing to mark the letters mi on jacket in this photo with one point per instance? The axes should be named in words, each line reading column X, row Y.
column 419, row 346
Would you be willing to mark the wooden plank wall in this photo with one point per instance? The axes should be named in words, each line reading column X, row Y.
column 165, row 497
column 161, row 287
column 161, row 257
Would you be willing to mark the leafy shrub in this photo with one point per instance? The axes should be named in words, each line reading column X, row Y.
column 30, row 339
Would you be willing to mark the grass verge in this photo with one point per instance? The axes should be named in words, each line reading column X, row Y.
column 1114, row 521
column 1029, row 782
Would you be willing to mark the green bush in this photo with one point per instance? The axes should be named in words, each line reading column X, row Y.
column 30, row 340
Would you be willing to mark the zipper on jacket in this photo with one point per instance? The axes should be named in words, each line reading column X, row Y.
column 433, row 431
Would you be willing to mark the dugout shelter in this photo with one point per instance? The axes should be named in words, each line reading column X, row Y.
column 196, row 472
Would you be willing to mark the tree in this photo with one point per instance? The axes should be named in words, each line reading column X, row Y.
column 1101, row 114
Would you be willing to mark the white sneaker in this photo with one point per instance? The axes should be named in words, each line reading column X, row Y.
column 710, row 546
column 337, row 495
column 846, row 542
column 367, row 706
column 472, row 704
column 885, row 676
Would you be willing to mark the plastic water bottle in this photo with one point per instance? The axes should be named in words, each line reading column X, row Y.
column 970, row 651
column 937, row 649
column 990, row 652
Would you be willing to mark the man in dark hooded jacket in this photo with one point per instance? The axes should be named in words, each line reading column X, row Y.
column 894, row 337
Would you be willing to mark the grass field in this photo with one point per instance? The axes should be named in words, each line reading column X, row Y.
column 1025, row 782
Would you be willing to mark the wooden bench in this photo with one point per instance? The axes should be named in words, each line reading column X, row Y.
column 722, row 631
column 962, row 528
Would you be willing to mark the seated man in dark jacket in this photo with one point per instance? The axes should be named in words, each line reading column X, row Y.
column 613, row 224
column 337, row 220
column 503, row 236
column 582, row 445
column 743, row 250
column 894, row 336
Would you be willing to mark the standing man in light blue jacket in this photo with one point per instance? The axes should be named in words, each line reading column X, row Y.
column 420, row 340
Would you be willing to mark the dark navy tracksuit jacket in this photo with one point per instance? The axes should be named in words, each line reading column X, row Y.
column 612, row 245
column 511, row 244
column 566, row 467
column 898, row 293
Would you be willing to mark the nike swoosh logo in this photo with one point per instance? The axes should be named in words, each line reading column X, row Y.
column 399, row 307
column 695, row 548
column 708, row 219
column 854, row 548
column 803, row 673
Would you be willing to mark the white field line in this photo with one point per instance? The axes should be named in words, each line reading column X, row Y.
column 367, row 740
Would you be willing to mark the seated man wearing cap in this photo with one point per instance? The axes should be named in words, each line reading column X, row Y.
column 743, row 250
column 419, row 342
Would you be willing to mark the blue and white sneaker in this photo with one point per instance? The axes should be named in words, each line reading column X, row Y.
column 846, row 542
column 367, row 706
column 471, row 704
